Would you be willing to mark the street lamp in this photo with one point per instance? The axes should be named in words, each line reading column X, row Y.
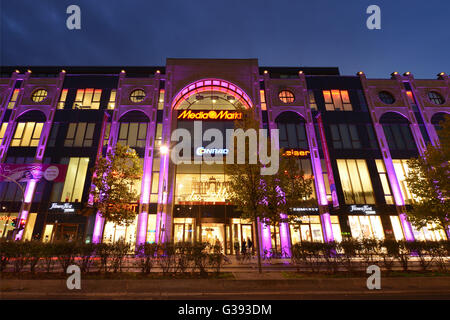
column 164, row 149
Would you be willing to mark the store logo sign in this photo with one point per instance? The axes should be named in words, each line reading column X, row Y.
column 209, row 115
column 66, row 207
column 303, row 209
column 364, row 209
column 296, row 153
column 201, row 151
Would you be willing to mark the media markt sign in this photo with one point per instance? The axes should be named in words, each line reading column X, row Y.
column 65, row 207
column 364, row 209
column 209, row 115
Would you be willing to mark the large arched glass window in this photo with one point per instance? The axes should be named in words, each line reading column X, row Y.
column 397, row 131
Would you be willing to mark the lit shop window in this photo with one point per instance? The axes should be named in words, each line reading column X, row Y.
column 337, row 235
column 337, row 100
column 27, row 134
column 398, row 136
column 62, row 99
column 200, row 183
column 275, row 235
column 345, row 136
column 75, row 177
column 133, row 134
column 6, row 219
column 2, row 132
column 115, row 233
column 183, row 230
column 308, row 228
column 80, row 135
column 112, row 100
column 366, row 227
column 262, row 96
column 355, row 180
column 161, row 100
column 384, row 181
column 151, row 228
column 312, row 100
column 87, row 99
column 428, row 233
column 13, row 100
column 401, row 171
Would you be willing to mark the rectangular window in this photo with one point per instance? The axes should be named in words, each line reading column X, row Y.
column 384, row 181
column 133, row 134
column 62, row 99
column 53, row 134
column 106, row 136
column 27, row 134
column 161, row 99
column 112, row 100
column 312, row 100
column 262, row 96
column 80, row 135
column 345, row 136
column 399, row 136
column 355, row 181
column 3, row 131
column 366, row 227
column 87, row 99
column 75, row 178
column 401, row 171
column 13, row 100
column 337, row 100
column 326, row 180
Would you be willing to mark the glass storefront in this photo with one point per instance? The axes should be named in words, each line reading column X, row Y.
column 366, row 227
column 213, row 233
column 309, row 229
column 183, row 230
column 114, row 232
column 428, row 233
column 241, row 230
column 6, row 227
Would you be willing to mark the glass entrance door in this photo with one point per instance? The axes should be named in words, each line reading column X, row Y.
column 213, row 233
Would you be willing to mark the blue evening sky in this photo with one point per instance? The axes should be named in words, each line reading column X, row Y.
column 414, row 35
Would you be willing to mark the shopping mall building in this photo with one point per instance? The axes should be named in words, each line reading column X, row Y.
column 352, row 134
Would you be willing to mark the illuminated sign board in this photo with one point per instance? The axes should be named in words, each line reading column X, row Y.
column 65, row 207
column 364, row 209
column 209, row 115
column 201, row 151
column 305, row 209
column 292, row 152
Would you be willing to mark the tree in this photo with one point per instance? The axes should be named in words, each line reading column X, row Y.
column 286, row 189
column 297, row 190
column 114, row 179
column 429, row 182
column 244, row 186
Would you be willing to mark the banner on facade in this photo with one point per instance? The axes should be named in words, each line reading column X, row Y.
column 32, row 171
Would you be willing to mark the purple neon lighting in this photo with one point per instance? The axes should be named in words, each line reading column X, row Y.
column 407, row 229
column 284, row 236
column 326, row 222
column 265, row 237
column 98, row 228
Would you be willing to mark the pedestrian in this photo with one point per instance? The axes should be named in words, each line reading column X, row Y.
column 250, row 245
column 243, row 247
column 236, row 247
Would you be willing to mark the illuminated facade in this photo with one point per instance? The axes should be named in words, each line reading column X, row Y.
column 352, row 134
